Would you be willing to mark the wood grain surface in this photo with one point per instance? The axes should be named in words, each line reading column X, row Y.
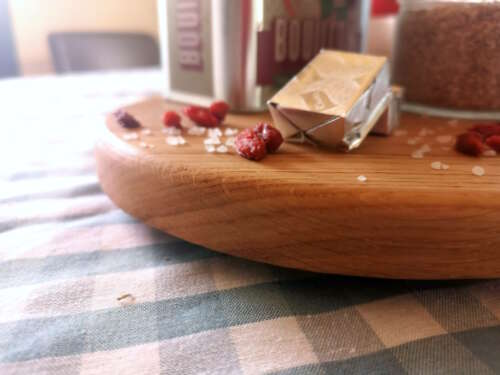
column 305, row 208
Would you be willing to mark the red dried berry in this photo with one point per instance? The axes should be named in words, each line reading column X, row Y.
column 172, row 120
column 126, row 120
column 470, row 143
column 270, row 135
column 219, row 110
column 249, row 145
column 494, row 142
column 486, row 130
column 201, row 116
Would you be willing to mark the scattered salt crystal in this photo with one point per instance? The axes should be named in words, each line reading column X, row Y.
column 424, row 132
column 436, row 165
column 214, row 133
column 417, row 154
column 212, row 141
column 444, row 138
column 222, row 149
column 130, row 136
column 400, row 132
column 489, row 153
column 175, row 140
column 230, row 142
column 172, row 131
column 230, row 132
column 478, row 171
column 362, row 178
column 210, row 148
column 420, row 153
column 172, row 141
column 146, row 131
column 196, row 130
column 425, row 148
column 413, row 141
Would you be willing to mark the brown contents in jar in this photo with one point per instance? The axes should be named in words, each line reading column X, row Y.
column 449, row 56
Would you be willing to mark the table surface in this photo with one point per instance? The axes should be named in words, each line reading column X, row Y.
column 86, row 289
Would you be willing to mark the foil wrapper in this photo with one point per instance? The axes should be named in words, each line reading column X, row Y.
column 335, row 101
column 390, row 119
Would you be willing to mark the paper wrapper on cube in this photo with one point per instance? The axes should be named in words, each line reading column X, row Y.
column 336, row 100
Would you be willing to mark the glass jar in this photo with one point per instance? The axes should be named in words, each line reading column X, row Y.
column 447, row 56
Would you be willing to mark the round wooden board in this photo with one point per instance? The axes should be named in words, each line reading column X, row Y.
column 305, row 208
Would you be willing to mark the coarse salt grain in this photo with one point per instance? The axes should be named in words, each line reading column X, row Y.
column 222, row 149
column 130, row 136
column 172, row 141
column 413, row 141
column 175, row 140
column 230, row 132
column 212, row 141
column 230, row 142
column 422, row 132
column 420, row 153
column 172, row 131
column 196, row 130
column 490, row 153
column 444, row 138
column 436, row 165
column 362, row 178
column 214, row 132
column 400, row 132
column 146, row 131
column 417, row 154
column 210, row 148
column 425, row 148
column 478, row 171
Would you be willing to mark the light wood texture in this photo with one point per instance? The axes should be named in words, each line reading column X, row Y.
column 304, row 207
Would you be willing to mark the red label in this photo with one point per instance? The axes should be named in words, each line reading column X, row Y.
column 290, row 44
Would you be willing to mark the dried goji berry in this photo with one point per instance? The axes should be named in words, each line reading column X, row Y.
column 494, row 142
column 270, row 135
column 219, row 110
column 249, row 145
column 486, row 130
column 172, row 119
column 201, row 116
column 126, row 120
column 470, row 143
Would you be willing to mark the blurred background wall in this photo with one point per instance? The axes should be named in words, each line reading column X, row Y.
column 33, row 20
column 8, row 63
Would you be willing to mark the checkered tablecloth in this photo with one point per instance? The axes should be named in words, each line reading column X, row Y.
column 86, row 289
